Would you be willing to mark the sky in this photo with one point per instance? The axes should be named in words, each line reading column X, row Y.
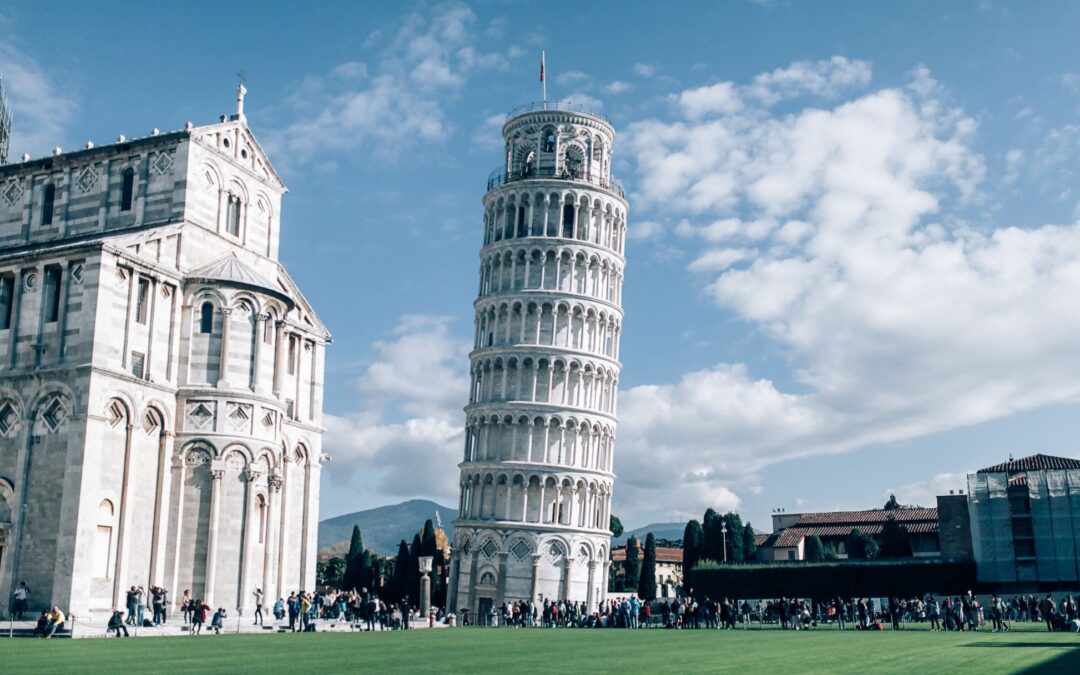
column 854, row 249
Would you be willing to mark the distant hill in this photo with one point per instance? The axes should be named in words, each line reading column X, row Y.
column 669, row 531
column 385, row 526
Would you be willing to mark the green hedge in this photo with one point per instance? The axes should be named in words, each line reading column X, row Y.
column 820, row 581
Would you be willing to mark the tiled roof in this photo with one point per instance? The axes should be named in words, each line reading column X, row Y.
column 664, row 554
column 1035, row 462
column 858, row 518
column 230, row 268
column 760, row 539
column 793, row 535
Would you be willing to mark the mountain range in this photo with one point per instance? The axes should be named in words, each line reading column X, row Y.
column 385, row 526
column 671, row 531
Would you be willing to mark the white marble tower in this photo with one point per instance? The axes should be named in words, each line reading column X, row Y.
column 536, row 479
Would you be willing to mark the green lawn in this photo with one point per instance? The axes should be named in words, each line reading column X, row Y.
column 518, row 650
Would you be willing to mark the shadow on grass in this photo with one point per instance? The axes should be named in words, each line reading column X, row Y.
column 1069, row 662
column 1040, row 645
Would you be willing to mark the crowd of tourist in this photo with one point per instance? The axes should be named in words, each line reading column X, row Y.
column 364, row 610
column 958, row 613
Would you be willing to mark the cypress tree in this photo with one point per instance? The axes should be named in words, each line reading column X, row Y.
column 351, row 578
column 632, row 566
column 401, row 571
column 713, row 548
column 692, row 540
column 413, row 590
column 749, row 543
column 647, row 583
column 895, row 540
column 814, row 549
column 428, row 545
column 733, row 538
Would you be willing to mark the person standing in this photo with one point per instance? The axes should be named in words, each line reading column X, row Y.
column 21, row 595
column 1047, row 608
column 258, row 606
column 185, row 606
column 131, row 607
column 158, row 595
column 140, row 605
column 306, row 606
column 294, row 610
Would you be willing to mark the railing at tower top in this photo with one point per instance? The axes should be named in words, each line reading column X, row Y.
column 557, row 106
column 499, row 177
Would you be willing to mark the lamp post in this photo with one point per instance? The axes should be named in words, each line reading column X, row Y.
column 723, row 534
column 425, row 586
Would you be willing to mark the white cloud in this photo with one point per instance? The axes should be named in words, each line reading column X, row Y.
column 897, row 320
column 590, row 103
column 645, row 70
column 618, row 87
column 925, row 492
column 646, row 229
column 408, row 426
column 40, row 110
column 828, row 78
column 571, row 78
column 403, row 100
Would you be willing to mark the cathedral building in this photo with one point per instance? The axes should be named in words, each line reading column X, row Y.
column 161, row 376
column 536, row 479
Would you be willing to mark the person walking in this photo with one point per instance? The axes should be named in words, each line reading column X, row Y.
column 258, row 606
column 21, row 595
column 198, row 616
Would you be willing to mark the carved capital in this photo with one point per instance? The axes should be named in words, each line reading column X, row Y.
column 226, row 311
column 217, row 474
column 252, row 475
column 275, row 482
column 261, row 317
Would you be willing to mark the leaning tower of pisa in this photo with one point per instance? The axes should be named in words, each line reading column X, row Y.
column 536, row 478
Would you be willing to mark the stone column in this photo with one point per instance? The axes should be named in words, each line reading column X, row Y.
column 223, row 362
column 604, row 581
column 591, row 597
column 569, row 561
column 535, row 592
column 161, row 509
column 260, row 324
column 500, row 593
column 120, row 568
column 452, row 586
column 279, row 355
column 217, row 471
column 273, row 485
column 245, row 563
column 425, row 586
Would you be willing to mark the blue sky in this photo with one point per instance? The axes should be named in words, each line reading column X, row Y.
column 853, row 253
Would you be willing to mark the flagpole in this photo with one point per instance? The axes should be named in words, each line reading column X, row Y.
column 543, row 78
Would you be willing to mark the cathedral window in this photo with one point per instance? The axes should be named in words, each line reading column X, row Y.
column 268, row 330
column 568, row 221
column 142, row 298
column 48, row 202
column 103, row 541
column 7, row 300
column 138, row 364
column 127, row 189
column 51, row 297
column 292, row 357
column 290, row 409
column 232, row 220
column 261, row 504
column 206, row 318
column 522, row 230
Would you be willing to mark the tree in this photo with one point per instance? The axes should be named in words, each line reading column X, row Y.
column 895, row 541
column 693, row 539
column 733, row 538
column 615, row 525
column 749, row 542
column 892, row 504
column 350, row 579
column 401, row 572
column 646, row 589
column 861, row 546
column 814, row 549
column 713, row 537
column 632, row 566
column 413, row 589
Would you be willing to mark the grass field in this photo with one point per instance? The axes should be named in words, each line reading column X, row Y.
column 517, row 650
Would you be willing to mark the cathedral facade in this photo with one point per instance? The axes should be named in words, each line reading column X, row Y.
column 161, row 376
column 536, row 477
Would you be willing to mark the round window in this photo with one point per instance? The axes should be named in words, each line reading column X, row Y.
column 243, row 153
column 225, row 142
